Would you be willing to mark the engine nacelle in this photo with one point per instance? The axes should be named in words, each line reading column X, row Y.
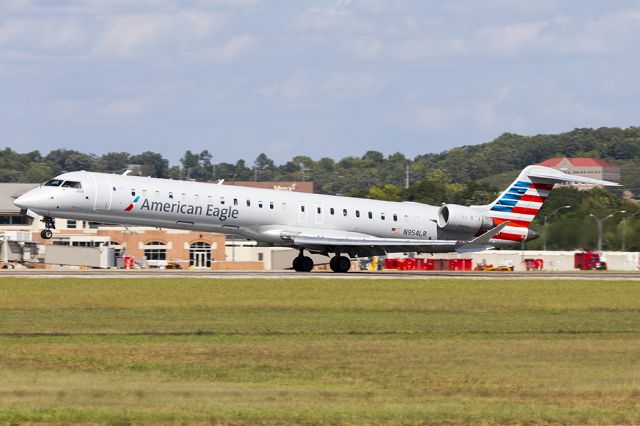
column 456, row 218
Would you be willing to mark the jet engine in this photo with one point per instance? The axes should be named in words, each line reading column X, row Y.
column 456, row 218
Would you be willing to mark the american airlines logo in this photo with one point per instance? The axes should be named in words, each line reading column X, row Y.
column 130, row 206
column 210, row 210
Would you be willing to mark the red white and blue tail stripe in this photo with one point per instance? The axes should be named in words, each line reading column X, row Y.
column 524, row 198
column 518, row 205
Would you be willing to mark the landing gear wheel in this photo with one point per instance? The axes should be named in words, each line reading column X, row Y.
column 303, row 264
column 46, row 234
column 340, row 264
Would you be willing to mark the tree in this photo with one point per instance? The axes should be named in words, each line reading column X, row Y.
column 114, row 162
column 264, row 167
column 152, row 164
column 38, row 172
column 63, row 160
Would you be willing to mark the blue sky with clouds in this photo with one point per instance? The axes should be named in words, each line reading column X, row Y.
column 317, row 78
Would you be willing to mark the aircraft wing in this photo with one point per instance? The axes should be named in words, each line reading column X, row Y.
column 374, row 246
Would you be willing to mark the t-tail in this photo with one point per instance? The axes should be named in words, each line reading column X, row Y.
column 522, row 200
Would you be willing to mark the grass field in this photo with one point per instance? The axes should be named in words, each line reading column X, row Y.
column 131, row 351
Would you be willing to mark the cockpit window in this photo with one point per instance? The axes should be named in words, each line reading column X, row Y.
column 53, row 182
column 71, row 184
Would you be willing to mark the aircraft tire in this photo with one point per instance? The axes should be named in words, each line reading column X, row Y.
column 297, row 264
column 306, row 264
column 46, row 234
column 303, row 264
column 340, row 264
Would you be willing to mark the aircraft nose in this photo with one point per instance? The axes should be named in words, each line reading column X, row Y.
column 27, row 200
column 22, row 202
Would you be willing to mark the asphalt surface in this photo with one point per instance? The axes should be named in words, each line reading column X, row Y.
column 118, row 273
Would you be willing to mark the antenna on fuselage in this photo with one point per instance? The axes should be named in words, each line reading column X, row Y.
column 126, row 172
column 221, row 181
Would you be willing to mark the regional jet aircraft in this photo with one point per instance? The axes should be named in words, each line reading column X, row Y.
column 325, row 224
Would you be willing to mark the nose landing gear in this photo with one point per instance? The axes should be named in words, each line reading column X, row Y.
column 340, row 263
column 302, row 263
column 49, row 224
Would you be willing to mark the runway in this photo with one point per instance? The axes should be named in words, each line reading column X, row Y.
column 389, row 275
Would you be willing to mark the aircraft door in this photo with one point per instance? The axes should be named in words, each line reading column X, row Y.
column 103, row 193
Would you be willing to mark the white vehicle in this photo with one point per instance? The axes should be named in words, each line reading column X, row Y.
column 317, row 223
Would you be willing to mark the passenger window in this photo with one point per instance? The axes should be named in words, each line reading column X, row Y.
column 133, row 192
column 357, row 213
column 370, row 215
column 395, row 217
column 271, row 205
column 235, row 201
column 171, row 195
column 344, row 212
column 53, row 182
column 222, row 200
column 302, row 208
column 382, row 216
column 71, row 184
column 319, row 210
column 331, row 210
column 248, row 203
column 260, row 204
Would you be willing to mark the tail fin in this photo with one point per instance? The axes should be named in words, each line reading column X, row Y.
column 522, row 200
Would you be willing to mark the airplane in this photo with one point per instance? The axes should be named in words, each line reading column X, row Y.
column 344, row 227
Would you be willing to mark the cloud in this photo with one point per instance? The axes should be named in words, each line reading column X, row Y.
column 43, row 34
column 318, row 89
column 365, row 48
column 123, row 108
column 236, row 47
column 126, row 35
column 513, row 38
column 298, row 86
column 480, row 113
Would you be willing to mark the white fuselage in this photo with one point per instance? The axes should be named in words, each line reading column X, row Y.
column 261, row 214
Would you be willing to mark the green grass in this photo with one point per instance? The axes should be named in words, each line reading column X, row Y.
column 175, row 351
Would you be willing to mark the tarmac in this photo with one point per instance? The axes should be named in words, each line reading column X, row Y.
column 389, row 275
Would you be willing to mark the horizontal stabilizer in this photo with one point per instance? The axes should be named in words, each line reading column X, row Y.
column 482, row 242
column 554, row 175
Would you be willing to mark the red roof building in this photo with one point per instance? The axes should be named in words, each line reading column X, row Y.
column 587, row 167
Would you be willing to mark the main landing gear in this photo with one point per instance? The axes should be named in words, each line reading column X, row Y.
column 339, row 263
column 49, row 224
column 302, row 263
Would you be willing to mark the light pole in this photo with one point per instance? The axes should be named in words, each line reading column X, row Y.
column 624, row 229
column 600, row 221
column 546, row 217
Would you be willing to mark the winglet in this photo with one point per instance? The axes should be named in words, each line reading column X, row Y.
column 482, row 242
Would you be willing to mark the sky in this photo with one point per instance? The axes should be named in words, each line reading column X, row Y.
column 317, row 78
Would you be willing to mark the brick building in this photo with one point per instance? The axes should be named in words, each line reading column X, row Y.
column 587, row 167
